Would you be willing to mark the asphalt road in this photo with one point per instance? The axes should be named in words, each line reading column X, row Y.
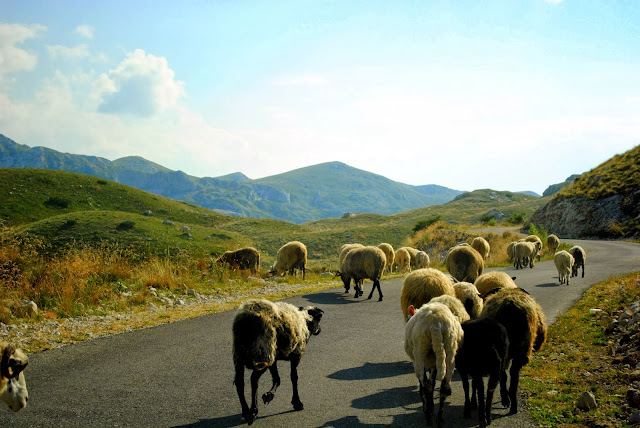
column 355, row 373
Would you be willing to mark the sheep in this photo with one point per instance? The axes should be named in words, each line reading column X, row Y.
column 455, row 306
column 402, row 260
column 534, row 239
column 412, row 252
column 564, row 263
column 291, row 256
column 421, row 260
column 389, row 254
column 432, row 336
column 579, row 256
column 484, row 351
column 526, row 327
column 482, row 246
column 526, row 250
column 553, row 242
column 13, row 386
column 263, row 333
column 464, row 263
column 494, row 279
column 468, row 294
column 422, row 285
column 510, row 250
column 363, row 263
column 343, row 253
column 244, row 258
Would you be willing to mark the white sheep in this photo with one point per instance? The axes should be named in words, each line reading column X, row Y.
column 363, row 263
column 494, row 279
column 13, row 386
column 343, row 253
column 464, row 263
column 263, row 333
column 579, row 257
column 291, row 256
column 553, row 242
column 510, row 250
column 536, row 239
column 482, row 246
column 455, row 306
column 432, row 337
column 524, row 251
column 389, row 254
column 422, row 260
column 564, row 263
column 422, row 285
column 412, row 252
column 470, row 298
column 402, row 260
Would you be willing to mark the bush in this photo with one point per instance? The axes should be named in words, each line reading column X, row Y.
column 540, row 233
column 125, row 225
column 516, row 218
column 56, row 202
column 488, row 219
column 423, row 224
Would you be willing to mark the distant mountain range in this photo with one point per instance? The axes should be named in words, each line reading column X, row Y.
column 320, row 191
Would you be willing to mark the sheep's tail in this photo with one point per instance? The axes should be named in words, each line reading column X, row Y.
column 437, row 342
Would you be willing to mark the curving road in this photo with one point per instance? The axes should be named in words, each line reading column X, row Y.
column 355, row 373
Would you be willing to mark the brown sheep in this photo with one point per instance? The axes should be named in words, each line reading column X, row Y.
column 464, row 263
column 494, row 279
column 363, row 263
column 244, row 258
column 402, row 260
column 482, row 246
column 534, row 239
column 553, row 242
column 422, row 285
column 389, row 254
column 291, row 256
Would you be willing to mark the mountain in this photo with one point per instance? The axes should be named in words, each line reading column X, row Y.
column 555, row 188
column 305, row 194
column 603, row 202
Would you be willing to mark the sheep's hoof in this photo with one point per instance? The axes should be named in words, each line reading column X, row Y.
column 467, row 412
column 267, row 397
column 506, row 402
column 250, row 416
column 445, row 390
column 297, row 405
column 380, row 299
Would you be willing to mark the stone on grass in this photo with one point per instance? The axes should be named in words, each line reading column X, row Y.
column 587, row 401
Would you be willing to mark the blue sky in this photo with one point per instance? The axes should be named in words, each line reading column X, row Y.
column 509, row 95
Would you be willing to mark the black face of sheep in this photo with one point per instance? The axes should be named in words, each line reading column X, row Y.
column 314, row 324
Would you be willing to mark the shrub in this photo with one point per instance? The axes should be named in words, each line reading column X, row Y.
column 540, row 233
column 423, row 224
column 56, row 202
column 125, row 225
column 516, row 218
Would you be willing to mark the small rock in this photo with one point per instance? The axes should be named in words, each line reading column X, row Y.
column 152, row 307
column 552, row 392
column 147, row 212
column 191, row 292
column 326, row 274
column 178, row 302
column 633, row 397
column 27, row 309
column 635, row 417
column 587, row 401
column 168, row 222
column 594, row 311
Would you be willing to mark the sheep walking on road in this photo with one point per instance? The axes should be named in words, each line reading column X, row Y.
column 344, row 250
column 291, row 256
column 422, row 285
column 402, row 260
column 263, row 333
column 553, row 242
column 482, row 246
column 579, row 257
column 464, row 263
column 564, row 264
column 389, row 254
column 468, row 294
column 13, row 386
column 494, row 279
column 360, row 264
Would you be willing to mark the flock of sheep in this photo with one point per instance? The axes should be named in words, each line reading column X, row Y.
column 481, row 324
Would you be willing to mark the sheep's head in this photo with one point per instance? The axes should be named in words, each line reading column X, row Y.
column 313, row 321
column 13, row 386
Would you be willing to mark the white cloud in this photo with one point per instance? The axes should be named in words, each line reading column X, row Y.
column 64, row 52
column 85, row 31
column 13, row 58
column 141, row 85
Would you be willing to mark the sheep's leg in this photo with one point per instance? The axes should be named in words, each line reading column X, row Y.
column 275, row 377
column 478, row 385
column 513, row 388
column 427, row 396
column 465, row 387
column 295, row 400
column 445, row 391
column 239, row 381
column 494, row 376
column 253, row 411
column 504, row 394
column 376, row 284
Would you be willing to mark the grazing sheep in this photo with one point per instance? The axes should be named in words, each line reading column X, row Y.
column 484, row 351
column 244, row 258
column 468, row 294
column 464, row 263
column 553, row 242
column 389, row 254
column 526, row 327
column 13, row 386
column 534, row 239
column 455, row 306
column 482, row 246
column 422, row 260
column 412, row 252
column 363, row 263
column 494, row 279
column 564, row 263
column 291, row 256
column 524, row 251
column 343, row 253
column 402, row 260
column 579, row 257
column 422, row 285
column 263, row 333
column 432, row 336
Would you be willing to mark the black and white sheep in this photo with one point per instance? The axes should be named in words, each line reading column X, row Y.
column 432, row 337
column 13, row 386
column 422, row 285
column 244, row 258
column 564, row 264
column 526, row 327
column 553, row 242
column 484, row 351
column 402, row 260
column 389, row 253
column 579, row 257
column 482, row 246
column 464, row 263
column 360, row 264
column 291, row 256
column 263, row 333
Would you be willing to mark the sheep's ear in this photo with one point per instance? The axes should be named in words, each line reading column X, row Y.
column 338, row 274
column 412, row 310
column 513, row 277
column 522, row 289
column 16, row 366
